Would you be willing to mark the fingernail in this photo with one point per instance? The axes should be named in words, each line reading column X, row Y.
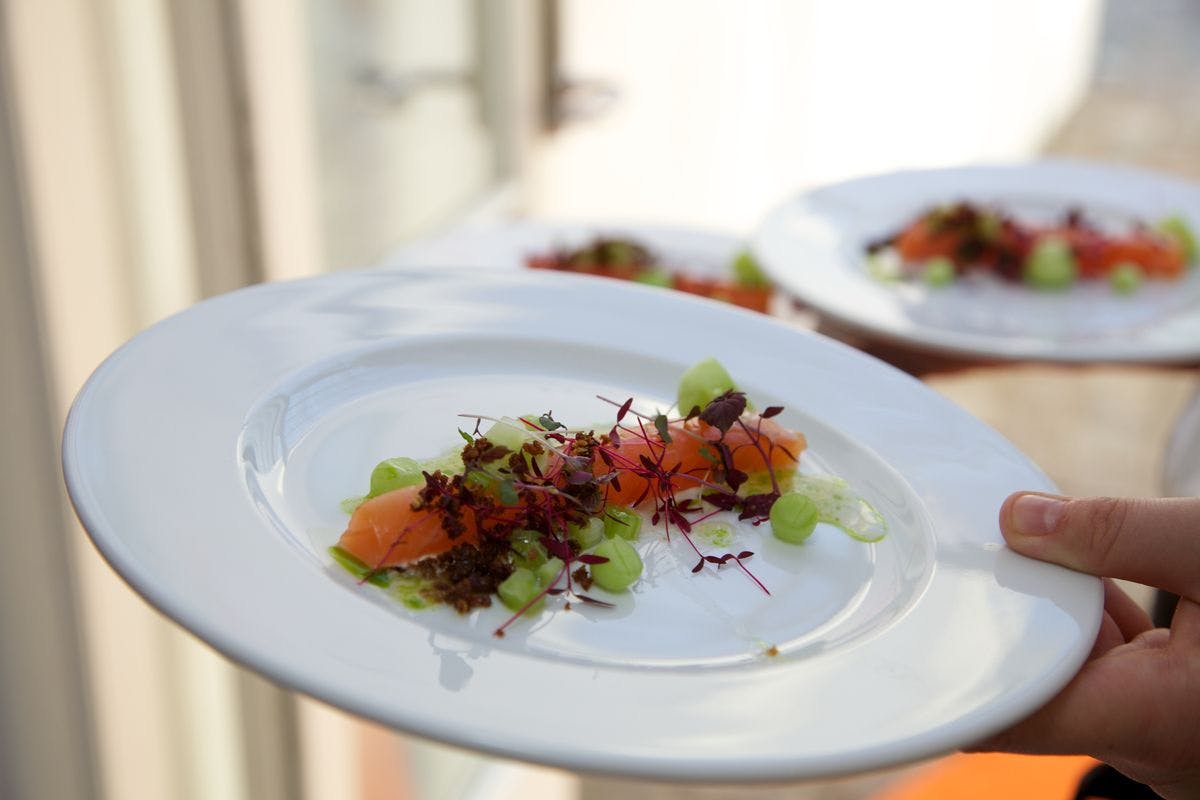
column 1037, row 515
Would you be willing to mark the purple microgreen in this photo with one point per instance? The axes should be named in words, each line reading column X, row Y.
column 593, row 601
column 557, row 547
column 758, row 505
column 771, row 411
column 624, row 409
column 726, row 501
column 725, row 410
column 591, row 558
column 738, row 560
column 679, row 519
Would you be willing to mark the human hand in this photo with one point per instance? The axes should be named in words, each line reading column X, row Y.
column 1135, row 704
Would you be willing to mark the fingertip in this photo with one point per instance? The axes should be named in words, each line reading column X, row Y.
column 1006, row 513
column 1030, row 515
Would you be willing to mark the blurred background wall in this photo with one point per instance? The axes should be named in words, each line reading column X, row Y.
column 154, row 152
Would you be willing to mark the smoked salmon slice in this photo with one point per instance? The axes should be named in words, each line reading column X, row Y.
column 386, row 530
column 692, row 448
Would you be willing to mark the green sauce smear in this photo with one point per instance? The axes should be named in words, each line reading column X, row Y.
column 407, row 590
column 839, row 506
column 713, row 533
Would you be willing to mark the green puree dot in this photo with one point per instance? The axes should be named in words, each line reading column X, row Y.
column 938, row 271
column 655, row 277
column 623, row 567
column 1178, row 229
column 747, row 272
column 1051, row 264
column 793, row 518
column 1125, row 278
column 702, row 384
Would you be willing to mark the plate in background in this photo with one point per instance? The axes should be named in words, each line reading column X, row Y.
column 507, row 246
column 813, row 246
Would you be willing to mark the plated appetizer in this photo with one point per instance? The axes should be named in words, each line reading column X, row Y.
column 949, row 241
column 529, row 509
column 627, row 259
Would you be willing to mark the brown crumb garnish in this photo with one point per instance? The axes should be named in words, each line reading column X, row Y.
column 772, row 650
column 583, row 578
column 466, row 576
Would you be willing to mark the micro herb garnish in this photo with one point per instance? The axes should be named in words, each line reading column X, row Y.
column 722, row 480
column 548, row 479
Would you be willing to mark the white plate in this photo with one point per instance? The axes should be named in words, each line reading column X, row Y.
column 813, row 246
column 698, row 252
column 207, row 458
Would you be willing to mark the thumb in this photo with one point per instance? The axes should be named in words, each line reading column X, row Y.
column 1155, row 542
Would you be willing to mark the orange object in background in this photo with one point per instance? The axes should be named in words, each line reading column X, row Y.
column 922, row 241
column 626, row 259
column 755, row 298
column 994, row 776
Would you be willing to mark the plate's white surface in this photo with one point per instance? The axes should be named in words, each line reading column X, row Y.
column 206, row 459
column 690, row 250
column 812, row 246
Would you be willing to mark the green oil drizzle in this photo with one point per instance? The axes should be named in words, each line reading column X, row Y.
column 713, row 533
column 838, row 505
column 407, row 590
